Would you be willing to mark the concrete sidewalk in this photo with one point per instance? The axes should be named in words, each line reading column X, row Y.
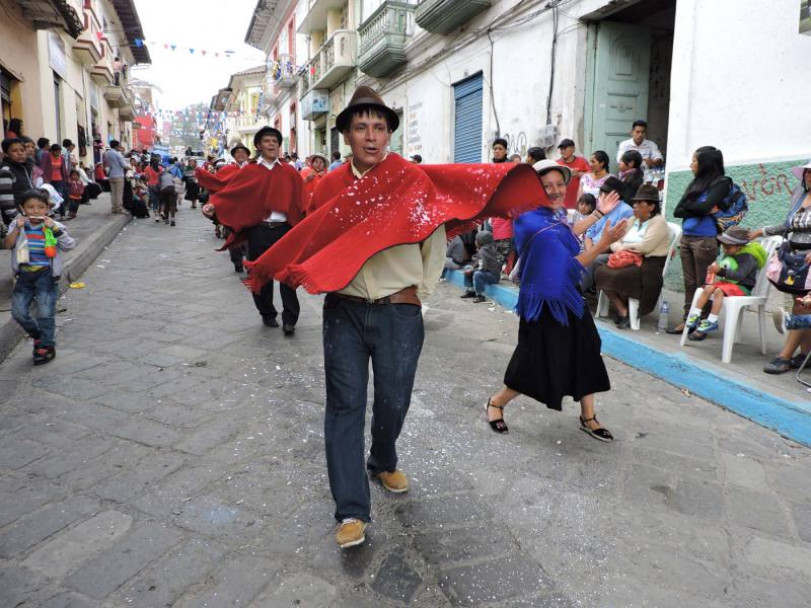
column 776, row 402
column 94, row 229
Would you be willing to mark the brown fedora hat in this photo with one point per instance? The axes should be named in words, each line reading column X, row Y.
column 366, row 97
column 647, row 193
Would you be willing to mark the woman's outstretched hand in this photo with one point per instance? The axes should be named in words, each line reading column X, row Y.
column 607, row 202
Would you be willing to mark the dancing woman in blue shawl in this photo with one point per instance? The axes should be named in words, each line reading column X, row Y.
column 558, row 350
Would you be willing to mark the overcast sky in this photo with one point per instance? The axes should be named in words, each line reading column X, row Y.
column 204, row 25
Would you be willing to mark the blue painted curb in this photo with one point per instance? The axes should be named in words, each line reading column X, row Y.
column 791, row 419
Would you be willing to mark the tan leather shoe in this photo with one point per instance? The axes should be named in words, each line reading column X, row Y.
column 396, row 482
column 351, row 533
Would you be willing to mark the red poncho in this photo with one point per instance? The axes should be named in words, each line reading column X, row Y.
column 249, row 195
column 397, row 202
column 213, row 182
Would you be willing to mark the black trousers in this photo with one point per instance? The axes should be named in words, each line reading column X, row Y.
column 260, row 239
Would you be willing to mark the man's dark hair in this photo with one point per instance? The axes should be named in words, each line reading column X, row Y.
column 10, row 141
column 336, row 155
column 55, row 148
column 613, row 184
column 35, row 193
column 500, row 141
column 114, row 144
column 25, row 139
column 364, row 110
column 66, row 143
column 257, row 139
column 639, row 123
column 294, row 155
column 536, row 153
column 43, row 142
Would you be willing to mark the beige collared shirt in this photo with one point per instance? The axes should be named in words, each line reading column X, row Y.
column 275, row 216
column 400, row 266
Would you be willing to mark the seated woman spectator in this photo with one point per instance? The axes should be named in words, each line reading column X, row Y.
column 456, row 255
column 797, row 230
column 648, row 241
column 631, row 173
column 590, row 182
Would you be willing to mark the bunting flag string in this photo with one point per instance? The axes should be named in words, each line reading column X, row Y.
column 171, row 46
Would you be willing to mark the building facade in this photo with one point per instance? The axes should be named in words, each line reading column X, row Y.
column 68, row 77
column 463, row 72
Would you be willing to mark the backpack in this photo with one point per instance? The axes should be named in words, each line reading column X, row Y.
column 733, row 208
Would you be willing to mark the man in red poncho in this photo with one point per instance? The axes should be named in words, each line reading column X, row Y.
column 260, row 203
column 374, row 241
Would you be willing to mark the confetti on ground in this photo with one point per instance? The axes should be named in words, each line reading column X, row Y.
column 77, row 285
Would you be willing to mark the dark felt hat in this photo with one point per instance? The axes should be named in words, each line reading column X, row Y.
column 647, row 193
column 366, row 97
column 240, row 146
column 267, row 131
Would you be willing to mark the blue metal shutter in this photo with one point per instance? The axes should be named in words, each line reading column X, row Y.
column 468, row 99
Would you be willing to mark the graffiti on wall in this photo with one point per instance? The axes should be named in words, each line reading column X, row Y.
column 516, row 143
column 767, row 182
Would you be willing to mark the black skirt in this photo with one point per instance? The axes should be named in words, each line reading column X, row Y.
column 553, row 360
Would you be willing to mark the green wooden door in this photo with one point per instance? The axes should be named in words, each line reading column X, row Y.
column 619, row 84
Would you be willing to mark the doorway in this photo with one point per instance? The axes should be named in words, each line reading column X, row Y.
column 628, row 75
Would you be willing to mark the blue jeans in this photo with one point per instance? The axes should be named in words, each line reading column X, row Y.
column 798, row 321
column 391, row 335
column 42, row 287
column 479, row 280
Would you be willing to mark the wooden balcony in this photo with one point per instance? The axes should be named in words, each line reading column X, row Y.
column 444, row 16
column 383, row 38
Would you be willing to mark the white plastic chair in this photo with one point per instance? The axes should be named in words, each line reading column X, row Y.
column 674, row 232
column 734, row 305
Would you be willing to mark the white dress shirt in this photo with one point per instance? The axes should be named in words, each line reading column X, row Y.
column 647, row 149
column 275, row 216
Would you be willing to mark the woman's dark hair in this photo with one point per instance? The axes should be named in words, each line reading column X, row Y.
column 56, row 148
column 632, row 156
column 72, row 171
column 588, row 200
column 710, row 163
column 16, row 125
column 805, row 188
column 34, row 193
column 634, row 179
column 602, row 158
column 43, row 142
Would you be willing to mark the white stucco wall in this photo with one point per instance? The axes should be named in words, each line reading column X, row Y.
column 743, row 87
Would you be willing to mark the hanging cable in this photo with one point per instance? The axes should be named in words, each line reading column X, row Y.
column 490, row 77
column 554, row 6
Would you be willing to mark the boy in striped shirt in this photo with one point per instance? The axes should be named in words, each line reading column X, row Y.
column 37, row 268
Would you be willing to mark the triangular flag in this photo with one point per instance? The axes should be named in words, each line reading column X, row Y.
column 166, row 46
column 191, row 51
column 204, row 53
column 174, row 46
column 216, row 54
column 139, row 43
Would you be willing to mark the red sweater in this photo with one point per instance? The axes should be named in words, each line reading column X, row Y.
column 395, row 203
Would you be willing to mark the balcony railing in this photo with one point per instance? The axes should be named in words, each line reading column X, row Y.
column 383, row 37
column 88, row 46
column 339, row 56
column 285, row 72
column 444, row 16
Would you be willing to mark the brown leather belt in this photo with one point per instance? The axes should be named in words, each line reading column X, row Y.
column 407, row 295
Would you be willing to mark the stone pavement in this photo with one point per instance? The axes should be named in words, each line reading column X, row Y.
column 172, row 455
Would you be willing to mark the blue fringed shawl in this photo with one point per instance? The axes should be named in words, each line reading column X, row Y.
column 550, row 272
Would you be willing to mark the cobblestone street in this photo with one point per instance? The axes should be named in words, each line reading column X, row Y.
column 172, row 455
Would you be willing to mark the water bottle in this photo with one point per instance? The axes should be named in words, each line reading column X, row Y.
column 664, row 311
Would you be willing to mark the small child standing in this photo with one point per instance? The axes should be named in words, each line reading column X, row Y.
column 76, row 193
column 487, row 270
column 37, row 240
column 738, row 270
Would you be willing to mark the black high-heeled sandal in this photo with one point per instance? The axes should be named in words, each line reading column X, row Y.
column 499, row 426
column 600, row 434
